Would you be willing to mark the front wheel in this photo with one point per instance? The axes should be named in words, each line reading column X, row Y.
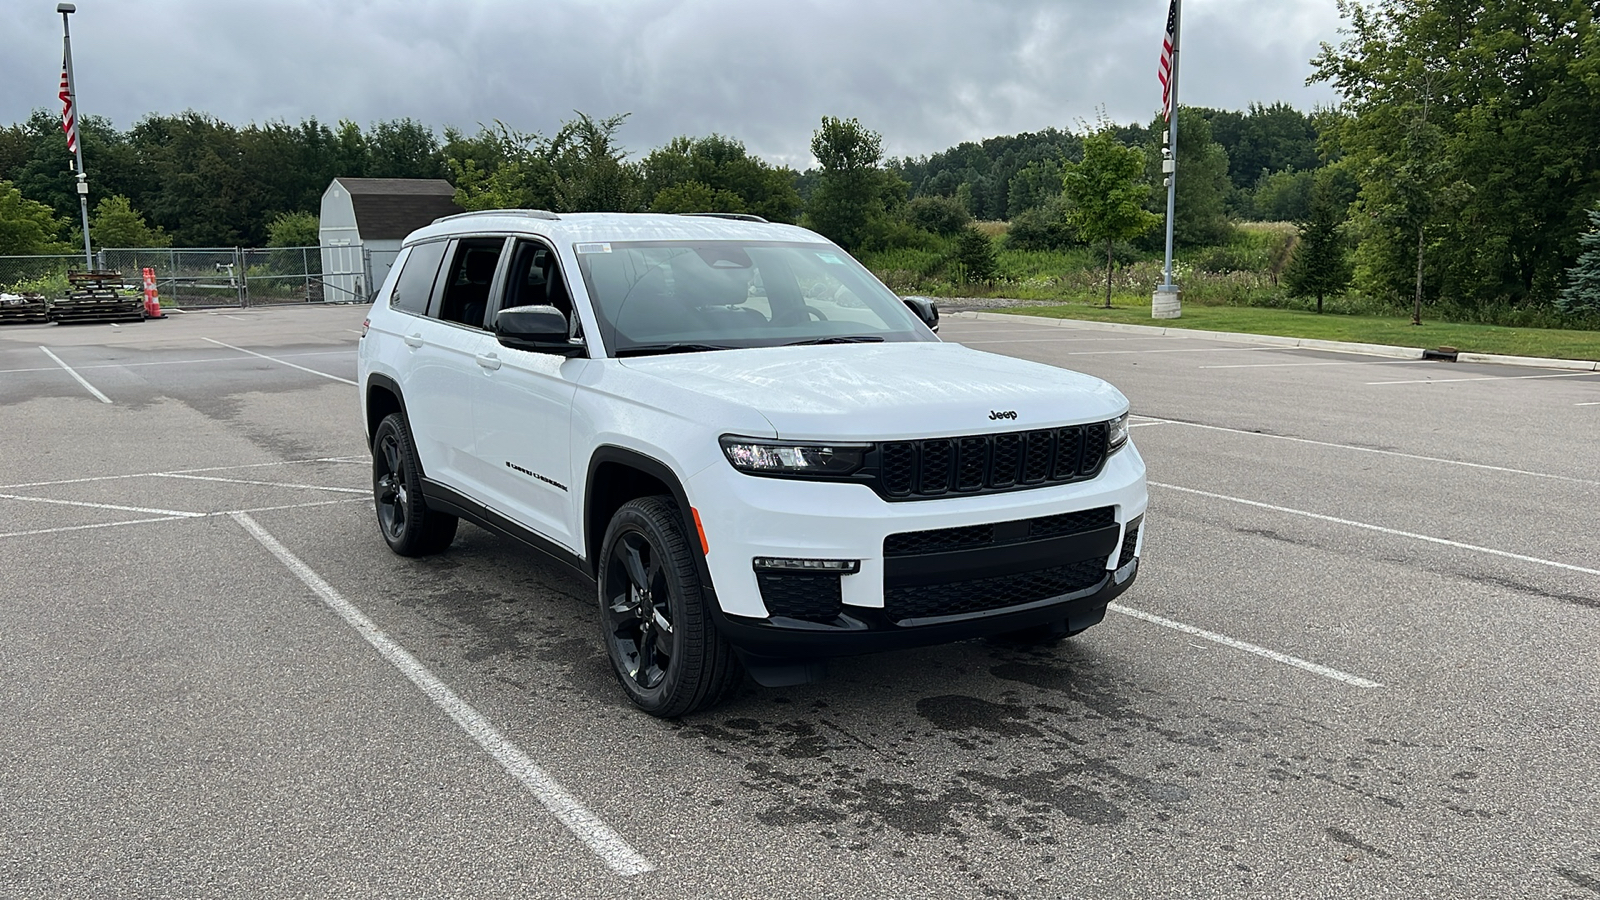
column 663, row 646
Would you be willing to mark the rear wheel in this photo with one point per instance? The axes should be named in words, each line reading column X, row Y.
column 664, row 648
column 408, row 525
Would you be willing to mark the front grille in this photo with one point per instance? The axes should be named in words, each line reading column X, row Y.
column 984, row 594
column 968, row 537
column 810, row 596
column 976, row 464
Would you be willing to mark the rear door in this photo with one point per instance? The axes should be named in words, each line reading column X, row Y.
column 523, row 408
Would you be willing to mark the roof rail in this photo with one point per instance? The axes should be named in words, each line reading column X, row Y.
column 529, row 213
column 740, row 217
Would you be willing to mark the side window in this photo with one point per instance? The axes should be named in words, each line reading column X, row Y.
column 535, row 279
column 469, row 279
column 415, row 284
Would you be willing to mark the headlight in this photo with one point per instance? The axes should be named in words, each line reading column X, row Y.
column 758, row 456
column 1117, row 435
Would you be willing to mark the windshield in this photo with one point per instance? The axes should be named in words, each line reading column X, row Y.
column 679, row 296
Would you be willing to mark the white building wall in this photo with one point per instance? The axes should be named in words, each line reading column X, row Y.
column 344, row 274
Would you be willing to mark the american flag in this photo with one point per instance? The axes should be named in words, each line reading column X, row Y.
column 69, row 122
column 1168, row 45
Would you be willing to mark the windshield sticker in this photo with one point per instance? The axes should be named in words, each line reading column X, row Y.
column 831, row 259
column 592, row 248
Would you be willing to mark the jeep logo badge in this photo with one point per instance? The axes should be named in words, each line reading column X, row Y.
column 1007, row 414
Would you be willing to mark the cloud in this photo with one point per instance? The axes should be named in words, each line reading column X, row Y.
column 926, row 74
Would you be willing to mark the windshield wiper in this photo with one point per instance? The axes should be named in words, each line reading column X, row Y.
column 840, row 339
column 659, row 349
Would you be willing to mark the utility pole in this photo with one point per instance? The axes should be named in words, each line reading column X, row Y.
column 1167, row 302
column 74, row 133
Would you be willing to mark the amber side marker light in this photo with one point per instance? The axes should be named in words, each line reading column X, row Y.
column 704, row 547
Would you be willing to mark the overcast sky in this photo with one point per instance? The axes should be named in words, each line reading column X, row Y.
column 927, row 74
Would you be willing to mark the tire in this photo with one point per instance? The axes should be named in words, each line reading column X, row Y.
column 409, row 527
column 664, row 648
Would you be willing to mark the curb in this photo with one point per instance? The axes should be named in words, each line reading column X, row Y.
column 1272, row 340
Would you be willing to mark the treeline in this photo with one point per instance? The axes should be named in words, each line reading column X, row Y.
column 197, row 181
column 1459, row 169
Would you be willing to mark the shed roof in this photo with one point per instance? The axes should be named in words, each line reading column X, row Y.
column 391, row 208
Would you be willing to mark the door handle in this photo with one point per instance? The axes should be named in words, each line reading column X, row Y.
column 414, row 340
column 488, row 361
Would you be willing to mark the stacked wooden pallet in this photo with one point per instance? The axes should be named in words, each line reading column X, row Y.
column 16, row 309
column 97, row 297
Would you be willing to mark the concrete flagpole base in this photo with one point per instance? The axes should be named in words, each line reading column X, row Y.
column 1166, row 303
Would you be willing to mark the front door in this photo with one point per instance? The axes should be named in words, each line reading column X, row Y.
column 523, row 409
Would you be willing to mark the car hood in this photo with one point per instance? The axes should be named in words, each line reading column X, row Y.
column 888, row 391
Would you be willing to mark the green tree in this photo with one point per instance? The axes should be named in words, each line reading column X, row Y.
column 1582, row 293
column 116, row 223
column 1470, row 125
column 1203, row 185
column 1106, row 193
column 974, row 252
column 854, row 193
column 500, row 168
column 696, row 197
column 27, row 226
column 737, row 181
column 294, row 229
column 591, row 169
column 1284, row 196
column 1321, row 262
column 940, row 215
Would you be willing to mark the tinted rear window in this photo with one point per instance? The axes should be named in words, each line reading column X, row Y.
column 415, row 284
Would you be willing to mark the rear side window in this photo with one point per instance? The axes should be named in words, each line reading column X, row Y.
column 415, row 284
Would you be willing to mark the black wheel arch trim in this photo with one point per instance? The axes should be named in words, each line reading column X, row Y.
column 610, row 453
column 376, row 380
column 449, row 500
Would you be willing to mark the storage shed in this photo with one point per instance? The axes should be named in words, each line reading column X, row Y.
column 363, row 222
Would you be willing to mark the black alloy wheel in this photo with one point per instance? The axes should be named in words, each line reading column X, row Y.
column 664, row 647
column 409, row 527
column 639, row 610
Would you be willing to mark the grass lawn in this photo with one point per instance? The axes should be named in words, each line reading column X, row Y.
column 1399, row 332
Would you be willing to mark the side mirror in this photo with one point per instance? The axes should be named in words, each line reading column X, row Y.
column 540, row 329
column 925, row 309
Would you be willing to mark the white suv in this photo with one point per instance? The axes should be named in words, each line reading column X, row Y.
column 759, row 454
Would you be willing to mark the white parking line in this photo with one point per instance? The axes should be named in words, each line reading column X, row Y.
column 279, row 361
column 1297, row 365
column 1488, row 378
column 1112, row 352
column 287, row 462
column 1382, row 529
column 186, row 516
column 606, row 843
column 1587, row 404
column 1359, row 449
column 1237, row 644
column 138, row 509
column 307, row 487
column 172, row 362
column 81, row 380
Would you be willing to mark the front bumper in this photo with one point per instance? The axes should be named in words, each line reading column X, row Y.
column 746, row 517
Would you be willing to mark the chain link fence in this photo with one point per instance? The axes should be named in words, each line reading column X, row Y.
column 201, row 277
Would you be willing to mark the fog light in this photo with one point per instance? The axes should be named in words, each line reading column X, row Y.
column 791, row 564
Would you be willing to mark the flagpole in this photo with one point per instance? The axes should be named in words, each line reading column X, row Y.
column 67, row 9
column 1168, row 302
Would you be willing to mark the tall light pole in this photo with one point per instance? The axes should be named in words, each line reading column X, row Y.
column 67, row 9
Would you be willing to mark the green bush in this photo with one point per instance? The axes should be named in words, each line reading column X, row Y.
column 940, row 215
column 974, row 253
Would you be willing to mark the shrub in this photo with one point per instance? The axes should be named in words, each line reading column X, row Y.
column 940, row 215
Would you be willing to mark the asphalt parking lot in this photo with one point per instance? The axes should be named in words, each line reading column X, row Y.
column 1360, row 660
